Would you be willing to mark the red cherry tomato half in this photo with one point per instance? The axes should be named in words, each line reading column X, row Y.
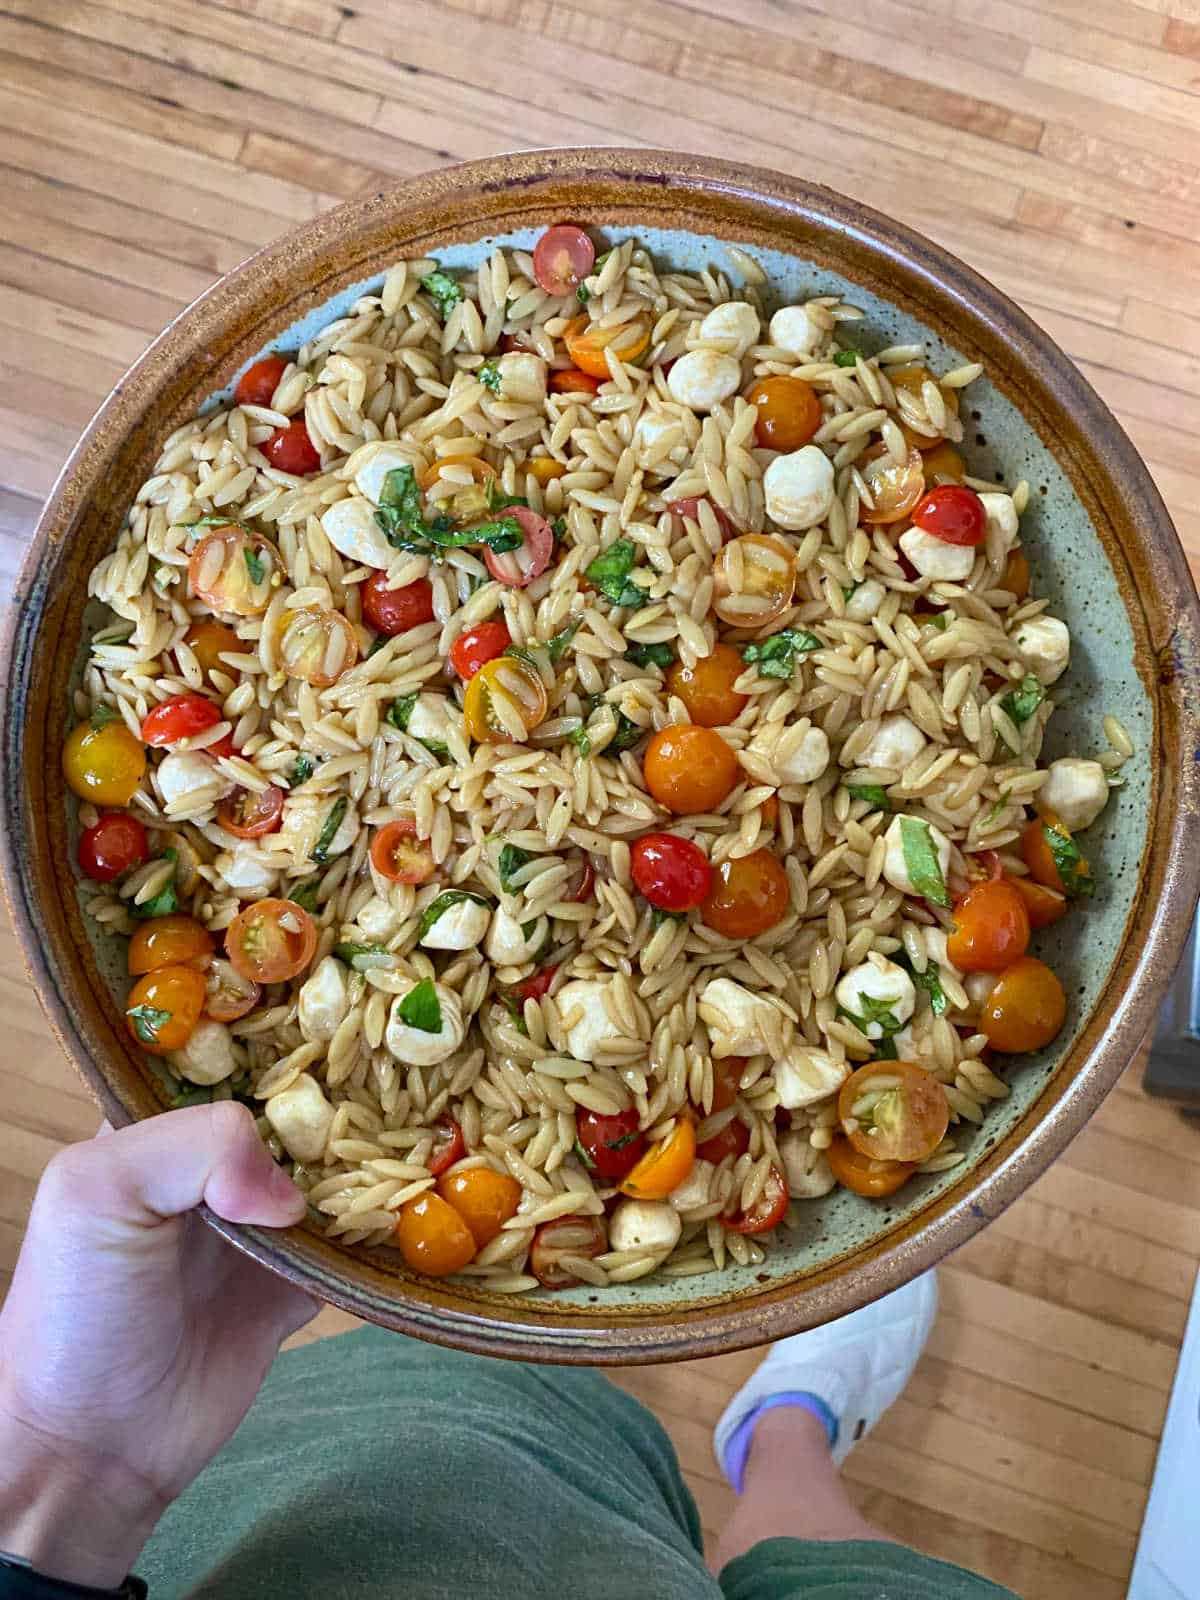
column 257, row 385
column 228, row 995
column 768, row 1210
column 566, row 1236
column 112, row 846
column 248, row 815
column 521, row 566
column 569, row 380
column 690, row 507
column 952, row 513
column 733, row 1140
column 394, row 611
column 449, row 1146
column 478, row 646
column 223, row 746
column 671, row 872
column 398, row 855
column 562, row 258
column 179, row 718
column 536, row 985
column 291, row 450
column 612, row 1144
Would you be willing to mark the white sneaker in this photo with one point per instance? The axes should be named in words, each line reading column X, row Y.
column 850, row 1370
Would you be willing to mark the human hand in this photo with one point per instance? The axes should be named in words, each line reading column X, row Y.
column 134, row 1338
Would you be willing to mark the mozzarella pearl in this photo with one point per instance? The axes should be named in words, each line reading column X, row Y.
column 414, row 1046
column 934, row 558
column 737, row 1020
column 208, row 1056
column 1076, row 790
column 808, row 1174
column 701, row 379
column 323, row 1000
column 460, row 927
column 595, row 1027
column 1001, row 516
column 1045, row 643
column 351, row 529
column 644, row 1225
column 897, row 743
column 379, row 920
column 190, row 778
column 895, row 868
column 507, row 944
column 793, row 330
column 302, row 1117
column 371, row 463
column 522, row 377
column 735, row 325
column 695, row 1188
column 807, row 761
column 865, row 601
column 880, row 981
column 806, row 1076
column 798, row 488
column 246, row 873
column 305, row 815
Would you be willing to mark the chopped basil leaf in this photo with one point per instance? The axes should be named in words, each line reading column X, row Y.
column 1077, row 880
column 255, row 565
column 421, row 1008
column 191, row 1096
column 377, row 644
column 441, row 751
column 583, row 294
column 147, row 1020
column 848, row 590
column 444, row 291
column 875, row 796
column 166, row 901
column 650, row 655
column 998, row 807
column 874, row 1011
column 579, row 738
column 512, row 859
column 609, row 572
column 400, row 711
column 499, row 501
column 557, row 646
column 101, row 716
column 320, row 851
column 776, row 657
column 658, row 916
column 579, row 1150
column 559, row 529
column 885, row 1048
column 1021, row 703
column 628, row 733
column 927, row 980
column 921, row 861
column 302, row 771
column 362, row 957
column 520, row 653
column 489, row 376
column 401, row 515
column 305, row 894
column 846, row 358
column 939, row 620
column 452, row 897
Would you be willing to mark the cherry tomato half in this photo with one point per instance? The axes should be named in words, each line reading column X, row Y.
column 271, row 941
column 754, row 579
column 942, row 463
column 566, row 1236
column 671, row 872
column 504, row 702
column 665, row 1165
column 749, row 895
column 874, row 1180
column 562, row 258
column 1026, row 1008
column 249, row 815
column 913, row 378
column 767, row 1211
column 894, row 489
column 893, row 1111
column 104, row 763
column 484, row 1199
column 612, row 1144
column 399, row 856
column 291, row 450
column 227, row 995
column 689, row 506
column 733, row 1140
column 536, row 985
column 569, row 380
column 952, row 513
column 395, row 611
column 789, row 412
column 234, row 571
column 171, row 941
column 257, row 385
column 1016, row 576
column 432, row 1237
column 208, row 638
column 164, row 1007
column 179, row 718
column 1039, row 857
column 688, row 769
column 1043, row 905
column 586, row 344
column 706, row 689
column 991, row 927
column 111, row 846
column 518, row 568
column 449, row 1146
column 727, row 1075
column 545, row 469
column 316, row 645
column 471, row 650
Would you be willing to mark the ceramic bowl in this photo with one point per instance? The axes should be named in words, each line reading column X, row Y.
column 1102, row 548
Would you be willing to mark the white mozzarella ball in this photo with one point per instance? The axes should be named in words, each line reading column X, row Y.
column 652, row 430
column 189, row 778
column 798, row 488
column 808, row 1173
column 701, row 379
column 522, row 377
column 323, row 1000
column 694, row 1190
column 351, row 529
column 865, row 601
column 895, row 867
column 806, row 1076
column 208, row 1056
column 884, row 984
column 1076, row 790
column 302, row 1117
column 378, row 919
column 897, row 743
column 509, row 945
column 371, row 463
column 734, row 325
column 595, row 1027
column 304, row 819
column 807, row 760
column 1001, row 515
column 737, row 1019
column 644, row 1225
column 934, row 558
column 247, row 873
column 1045, row 643
column 460, row 927
column 414, row 1046
column 793, row 330
column 429, row 719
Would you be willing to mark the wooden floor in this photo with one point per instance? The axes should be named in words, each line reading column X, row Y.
column 146, row 145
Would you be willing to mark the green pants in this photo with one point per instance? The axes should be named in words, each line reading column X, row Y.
column 373, row 1465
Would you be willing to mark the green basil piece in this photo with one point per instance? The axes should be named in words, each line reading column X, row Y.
column 1077, row 881
column 873, row 1011
column 489, row 376
column 194, row 1096
column 1022, row 702
column 998, row 807
column 166, row 901
column 579, row 1150
column 609, row 572
column 650, row 655
column 921, row 861
column 147, row 1020
column 556, row 648
column 627, row 735
column 499, row 501
column 421, row 1008
column 399, row 713
column 320, row 851
column 885, row 1048
column 875, row 796
column 658, row 916
column 559, row 529
column 939, row 620
column 846, row 358
column 362, row 957
column 445, row 292
column 512, row 859
column 579, row 738
column 255, row 565
column 305, row 894
column 401, row 515
column 776, row 657
column 302, row 771
column 452, row 897
column 101, row 716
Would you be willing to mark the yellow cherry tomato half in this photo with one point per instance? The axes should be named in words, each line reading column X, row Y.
column 665, row 1165
column 504, row 702
column 164, row 1007
column 208, row 639
column 586, row 344
column 484, row 1199
column 170, row 941
column 688, row 769
column 913, row 378
column 316, row 645
column 545, row 469
column 432, row 1237
column 894, row 489
column 1026, row 1008
column 706, row 689
column 789, row 412
column 754, row 579
column 942, row 464
column 234, row 571
column 103, row 761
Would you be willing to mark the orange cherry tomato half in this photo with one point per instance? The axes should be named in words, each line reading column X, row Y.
column 991, row 927
column 1025, row 1009
column 770, row 811
column 103, row 761
column 115, row 843
column 544, row 469
column 562, row 258
column 894, row 489
column 749, row 895
column 893, row 1111
column 942, row 463
column 257, row 385
column 316, row 645
column 432, row 1237
column 733, row 1140
column 164, row 1007
column 227, row 995
column 1016, row 575
column 566, row 1236
column 399, row 856
column 569, row 380
column 449, row 1146
column 874, row 1180
column 727, row 1075
column 271, row 941
column 291, row 450
column 688, row 769
column 706, row 689
column 484, row 1199
column 1037, row 843
column 586, row 344
column 170, row 941
column 518, row 568
column 789, row 412
column 913, row 378
column 665, row 1165
column 482, row 472
column 249, row 815
column 754, row 579
column 478, row 645
column 208, row 639
column 1042, row 905
column 234, row 571
column 504, row 702
column 767, row 1211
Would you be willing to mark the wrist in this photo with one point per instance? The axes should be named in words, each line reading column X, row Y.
column 71, row 1512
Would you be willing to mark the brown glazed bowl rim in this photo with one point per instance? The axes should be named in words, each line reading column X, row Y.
column 240, row 314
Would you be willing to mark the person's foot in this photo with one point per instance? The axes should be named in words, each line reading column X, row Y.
column 846, row 1373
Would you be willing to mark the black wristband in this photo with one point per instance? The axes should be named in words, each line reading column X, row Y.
column 18, row 1581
